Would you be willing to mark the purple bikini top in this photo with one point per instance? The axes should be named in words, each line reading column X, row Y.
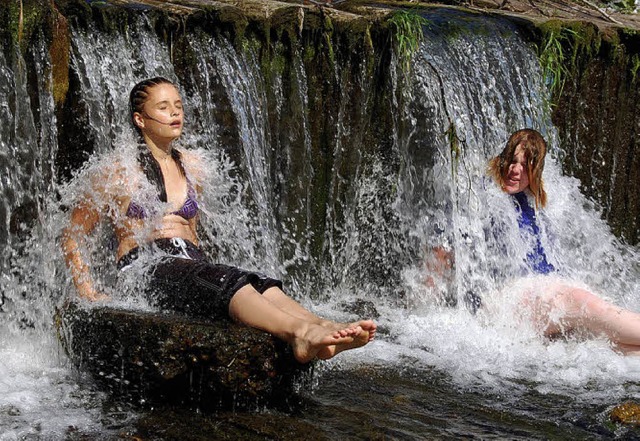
column 189, row 209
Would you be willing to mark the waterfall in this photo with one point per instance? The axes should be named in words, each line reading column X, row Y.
column 468, row 95
column 39, row 396
column 28, row 144
column 342, row 213
column 469, row 90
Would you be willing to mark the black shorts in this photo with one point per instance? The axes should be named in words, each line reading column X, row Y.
column 184, row 281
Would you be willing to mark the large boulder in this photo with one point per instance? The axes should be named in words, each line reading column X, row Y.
column 154, row 357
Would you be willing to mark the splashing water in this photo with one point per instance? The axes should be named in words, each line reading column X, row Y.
column 484, row 105
column 471, row 86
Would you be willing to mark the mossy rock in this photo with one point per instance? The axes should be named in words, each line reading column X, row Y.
column 163, row 358
column 626, row 413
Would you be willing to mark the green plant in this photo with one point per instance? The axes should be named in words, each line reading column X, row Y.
column 635, row 66
column 553, row 58
column 624, row 6
column 561, row 46
column 408, row 33
column 454, row 147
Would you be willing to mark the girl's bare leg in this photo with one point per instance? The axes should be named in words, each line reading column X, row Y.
column 308, row 339
column 581, row 311
column 287, row 304
column 628, row 349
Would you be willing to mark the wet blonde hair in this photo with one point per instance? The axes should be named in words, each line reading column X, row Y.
column 535, row 148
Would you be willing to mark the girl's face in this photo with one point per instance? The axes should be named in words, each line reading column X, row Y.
column 517, row 178
column 162, row 114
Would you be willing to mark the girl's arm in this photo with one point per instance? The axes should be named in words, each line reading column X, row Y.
column 438, row 263
column 84, row 218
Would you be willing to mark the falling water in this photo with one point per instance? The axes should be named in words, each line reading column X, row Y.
column 472, row 83
column 482, row 89
column 38, row 393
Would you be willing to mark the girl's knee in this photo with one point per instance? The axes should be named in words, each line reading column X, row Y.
column 579, row 302
column 572, row 296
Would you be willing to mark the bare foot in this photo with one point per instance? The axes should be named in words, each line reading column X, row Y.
column 313, row 339
column 368, row 326
column 368, row 333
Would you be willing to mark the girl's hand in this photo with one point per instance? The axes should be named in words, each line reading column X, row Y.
column 97, row 297
column 88, row 292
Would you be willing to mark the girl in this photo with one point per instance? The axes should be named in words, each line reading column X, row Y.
column 179, row 276
column 555, row 307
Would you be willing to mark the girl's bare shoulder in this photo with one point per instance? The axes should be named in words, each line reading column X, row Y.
column 105, row 177
column 193, row 162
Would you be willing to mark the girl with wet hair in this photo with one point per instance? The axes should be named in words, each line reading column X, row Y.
column 534, row 148
column 557, row 308
column 180, row 278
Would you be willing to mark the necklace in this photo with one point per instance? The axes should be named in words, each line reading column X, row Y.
column 165, row 157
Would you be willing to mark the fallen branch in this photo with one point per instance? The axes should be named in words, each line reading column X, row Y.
column 602, row 11
column 329, row 3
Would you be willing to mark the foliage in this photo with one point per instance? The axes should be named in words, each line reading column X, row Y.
column 408, row 33
column 635, row 66
column 560, row 47
column 552, row 60
column 624, row 6
column 454, row 146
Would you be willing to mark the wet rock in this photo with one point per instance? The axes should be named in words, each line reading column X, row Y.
column 148, row 357
column 626, row 413
column 361, row 308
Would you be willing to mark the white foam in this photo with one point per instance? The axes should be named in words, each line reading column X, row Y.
column 39, row 393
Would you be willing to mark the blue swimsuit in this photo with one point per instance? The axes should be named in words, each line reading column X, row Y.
column 536, row 257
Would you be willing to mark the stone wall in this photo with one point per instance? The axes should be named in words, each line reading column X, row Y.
column 597, row 113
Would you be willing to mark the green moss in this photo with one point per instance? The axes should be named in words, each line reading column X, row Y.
column 26, row 17
column 635, row 66
column 274, row 61
column 327, row 37
column 368, row 44
column 239, row 23
column 407, row 34
column 623, row 6
column 14, row 22
column 250, row 44
column 24, row 21
column 561, row 46
column 309, row 53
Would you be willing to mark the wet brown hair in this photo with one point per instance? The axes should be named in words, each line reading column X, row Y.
column 138, row 96
column 535, row 148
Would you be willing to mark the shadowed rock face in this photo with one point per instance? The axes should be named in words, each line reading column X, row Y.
column 597, row 117
column 157, row 358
